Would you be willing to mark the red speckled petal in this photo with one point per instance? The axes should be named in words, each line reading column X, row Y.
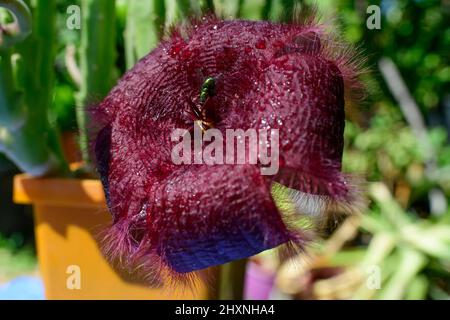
column 208, row 215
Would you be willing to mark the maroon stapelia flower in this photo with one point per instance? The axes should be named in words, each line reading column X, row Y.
column 175, row 219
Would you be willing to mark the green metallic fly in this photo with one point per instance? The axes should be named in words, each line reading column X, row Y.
column 207, row 90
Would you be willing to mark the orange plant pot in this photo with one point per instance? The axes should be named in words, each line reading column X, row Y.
column 68, row 214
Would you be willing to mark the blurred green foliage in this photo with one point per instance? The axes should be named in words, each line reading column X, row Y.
column 380, row 144
column 16, row 259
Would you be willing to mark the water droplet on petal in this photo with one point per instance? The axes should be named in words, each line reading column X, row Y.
column 260, row 44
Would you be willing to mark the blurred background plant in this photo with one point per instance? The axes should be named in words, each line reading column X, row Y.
column 398, row 138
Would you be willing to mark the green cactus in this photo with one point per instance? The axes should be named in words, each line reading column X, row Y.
column 176, row 11
column 26, row 135
column 97, row 61
column 12, row 112
column 145, row 21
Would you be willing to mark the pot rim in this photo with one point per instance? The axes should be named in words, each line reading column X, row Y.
column 58, row 191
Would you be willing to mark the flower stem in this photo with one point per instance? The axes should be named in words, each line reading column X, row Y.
column 232, row 276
